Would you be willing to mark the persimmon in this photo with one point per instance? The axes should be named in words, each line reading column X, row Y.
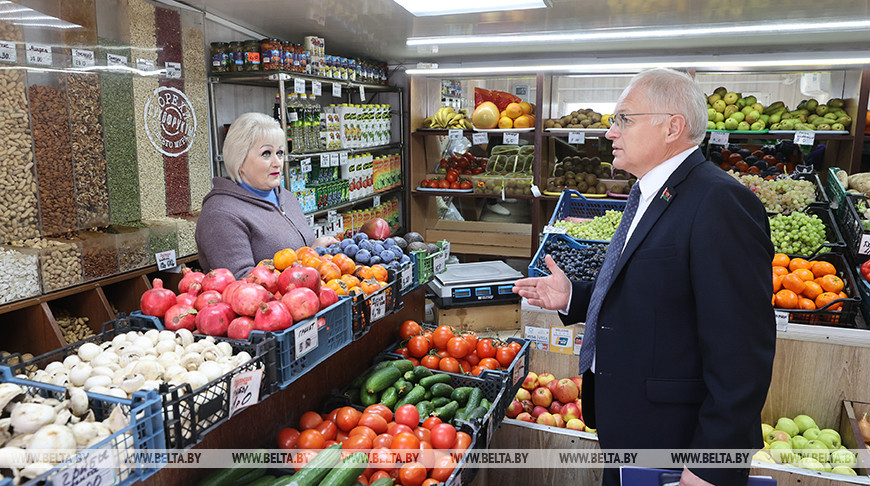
column 350, row 280
column 328, row 271
column 338, row 285
column 379, row 272
column 283, row 259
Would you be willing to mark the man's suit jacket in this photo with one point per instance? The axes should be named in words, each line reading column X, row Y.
column 686, row 334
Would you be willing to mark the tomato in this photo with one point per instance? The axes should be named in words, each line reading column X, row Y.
column 464, row 366
column 449, row 364
column 327, row 429
column 363, row 430
column 472, row 358
column 379, row 475
column 414, row 361
column 383, row 440
column 452, row 176
column 441, row 335
column 382, row 410
column 418, row 346
column 476, row 370
column 489, row 363
column 431, row 422
column 430, row 361
column 505, row 356
column 463, row 441
column 412, row 474
column 465, row 185
column 405, row 441
column 408, row 415
column 287, row 438
column 472, row 339
column 458, row 347
column 330, row 443
column 403, row 351
column 443, row 436
column 444, row 466
column 347, row 418
column 424, row 434
column 409, row 328
column 485, row 348
column 357, row 442
column 431, row 482
column 341, row 436
column 381, row 459
column 424, row 184
column 444, row 184
column 517, row 347
column 309, row 420
column 302, row 458
column 454, row 185
column 331, row 415
column 310, row 439
column 397, row 429
column 374, row 422
column 362, row 479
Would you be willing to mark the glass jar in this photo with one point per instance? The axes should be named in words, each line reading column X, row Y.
column 252, row 55
column 219, row 55
column 287, row 56
column 266, row 55
column 277, row 54
column 236, row 54
column 297, row 58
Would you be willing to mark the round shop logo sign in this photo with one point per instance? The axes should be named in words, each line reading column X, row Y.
column 170, row 121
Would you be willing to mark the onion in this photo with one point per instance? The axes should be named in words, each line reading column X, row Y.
column 864, row 425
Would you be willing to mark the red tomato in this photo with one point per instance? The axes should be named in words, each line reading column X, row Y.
column 485, row 349
column 374, row 422
column 287, row 438
column 309, row 420
column 414, row 361
column 408, row 415
column 403, row 351
column 464, row 366
column 424, row 434
column 347, row 418
column 476, row 370
column 454, row 185
column 452, row 176
column 444, row 184
column 441, row 335
column 327, row 429
column 472, row 358
column 302, row 458
column 405, row 441
column 449, row 364
column 431, row 422
column 430, row 361
column 444, row 466
column 443, row 436
column 424, row 183
column 382, row 410
column 505, row 356
column 357, row 442
column 489, row 363
column 412, row 474
column 381, row 459
column 517, row 347
column 310, row 439
column 458, row 347
column 409, row 328
column 383, row 440
column 379, row 475
column 418, row 346
column 463, row 441
column 397, row 428
column 363, row 430
column 465, row 185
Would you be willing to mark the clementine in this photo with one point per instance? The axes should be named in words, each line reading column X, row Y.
column 807, row 304
column 804, row 274
column 781, row 260
column 781, row 271
column 796, row 263
column 812, row 290
column 794, row 283
column 827, row 297
column 831, row 283
column 820, row 269
column 513, row 110
column 786, row 299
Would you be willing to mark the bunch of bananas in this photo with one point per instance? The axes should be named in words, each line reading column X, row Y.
column 445, row 117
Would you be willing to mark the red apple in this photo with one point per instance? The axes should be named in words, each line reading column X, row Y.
column 531, row 381
column 555, row 407
column 578, row 380
column 538, row 411
column 523, row 394
column 560, row 422
column 514, row 409
column 565, row 391
column 525, row 417
column 546, row 418
column 542, row 397
column 545, row 378
column 528, row 406
column 570, row 411
column 575, row 424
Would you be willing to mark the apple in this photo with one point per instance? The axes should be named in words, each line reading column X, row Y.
column 766, row 429
column 570, row 411
column 555, row 407
column 812, row 433
column 844, row 470
column 551, row 385
column 830, row 437
column 546, row 418
column 528, row 406
column 565, row 391
column 514, row 409
column 781, row 451
column 523, row 394
column 788, row 426
column 578, row 380
column 545, row 378
column 537, row 411
column 778, row 435
column 525, row 417
column 812, row 464
column 575, row 424
column 818, row 450
column 560, row 422
column 531, row 381
column 542, row 397
column 799, row 442
column 843, row 457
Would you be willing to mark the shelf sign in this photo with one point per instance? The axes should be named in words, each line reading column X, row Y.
column 83, row 59
column 315, row 88
column 310, row 219
column 781, row 320
column 144, row 64
column 864, row 248
column 376, row 200
column 7, row 52
column 454, row 134
column 378, row 306
column 536, row 191
column 333, row 160
column 577, row 137
column 245, row 390
column 336, row 90
column 445, row 248
column 324, row 161
column 305, row 165
column 173, row 70
column 165, row 260
column 94, row 467
column 407, row 275
column 511, row 138
column 719, row 138
column 342, row 158
column 306, row 337
column 439, row 263
column 804, row 137
column 480, row 139
column 114, row 60
column 362, row 93
column 299, row 85
column 38, row 54
column 549, row 229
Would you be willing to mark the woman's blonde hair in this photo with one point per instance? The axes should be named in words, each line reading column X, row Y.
column 243, row 133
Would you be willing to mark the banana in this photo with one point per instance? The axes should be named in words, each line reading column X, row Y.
column 467, row 124
column 427, row 122
column 442, row 116
column 455, row 118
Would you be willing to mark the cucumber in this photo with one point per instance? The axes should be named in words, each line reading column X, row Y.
column 431, row 380
column 447, row 412
column 441, row 390
column 474, row 399
column 486, row 404
column 317, row 468
column 346, row 473
column 461, row 394
column 367, row 398
column 389, row 397
column 359, row 381
column 440, row 401
column 478, row 412
column 383, row 482
column 231, row 475
column 382, row 378
column 403, row 365
column 460, row 414
column 421, row 372
column 263, row 481
column 425, row 408
column 427, row 395
column 251, row 475
column 403, row 386
column 413, row 397
column 409, row 376
column 285, row 481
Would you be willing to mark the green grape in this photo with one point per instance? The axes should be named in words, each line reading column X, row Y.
column 780, row 195
column 797, row 233
column 600, row 228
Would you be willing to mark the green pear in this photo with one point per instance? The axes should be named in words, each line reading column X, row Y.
column 730, row 110
column 740, row 102
column 752, row 117
column 831, row 116
column 835, row 437
column 738, row 116
column 730, row 124
column 799, row 442
column 822, row 109
column 843, row 457
column 765, row 118
column 844, row 470
column 838, row 126
column 711, row 125
column 719, row 117
column 743, row 125
column 746, row 110
column 845, row 120
column 775, row 118
column 751, row 100
column 757, row 126
column 730, row 98
column 720, row 125
column 811, row 105
column 721, row 91
column 812, row 433
column 787, row 124
column 805, row 422
column 812, row 118
column 711, row 113
column 719, row 106
column 817, row 450
column 714, row 98
column 836, row 103
column 781, row 452
column 811, row 464
column 758, row 107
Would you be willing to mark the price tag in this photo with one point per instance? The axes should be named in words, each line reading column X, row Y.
column 315, row 88
column 324, row 160
column 519, row 371
column 333, row 160
column 439, row 263
column 342, row 158
column 299, row 85
column 555, row 230
column 38, row 54
column 376, row 200
column 245, row 390
column 480, row 139
column 165, row 260
column 310, row 219
column 407, row 275
column 536, row 191
column 577, row 137
column 336, row 90
column 144, row 64
column 511, row 138
column 113, row 60
column 83, row 59
column 445, row 248
column 864, row 248
column 305, row 165
column 781, row 320
column 804, row 137
column 454, row 134
column 378, row 306
column 292, row 116
column 173, row 70
column 306, row 337
column 7, row 52
column 331, row 215
column 97, row 467
column 362, row 93
column 719, row 138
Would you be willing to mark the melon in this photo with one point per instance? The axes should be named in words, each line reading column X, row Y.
column 485, row 115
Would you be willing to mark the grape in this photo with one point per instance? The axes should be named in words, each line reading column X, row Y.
column 797, row 233
column 600, row 228
column 577, row 263
column 780, row 195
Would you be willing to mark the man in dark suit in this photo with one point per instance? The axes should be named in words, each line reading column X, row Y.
column 680, row 332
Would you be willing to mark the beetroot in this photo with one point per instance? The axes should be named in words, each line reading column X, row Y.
column 180, row 316
column 272, row 316
column 192, row 281
column 187, row 298
column 240, row 328
column 214, row 319
column 376, row 229
column 206, row 298
column 247, row 298
column 302, row 303
column 265, row 276
column 217, row 279
column 157, row 301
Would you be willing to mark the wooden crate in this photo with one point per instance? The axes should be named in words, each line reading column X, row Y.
column 480, row 318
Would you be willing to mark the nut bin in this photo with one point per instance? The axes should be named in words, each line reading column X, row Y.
column 60, row 261
column 133, row 247
column 487, row 184
column 99, row 254
column 198, row 158
column 19, row 273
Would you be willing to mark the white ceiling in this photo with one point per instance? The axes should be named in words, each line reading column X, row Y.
column 378, row 29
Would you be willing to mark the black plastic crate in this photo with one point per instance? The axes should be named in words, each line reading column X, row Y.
column 844, row 317
column 853, row 230
column 834, row 237
column 361, row 313
column 822, row 199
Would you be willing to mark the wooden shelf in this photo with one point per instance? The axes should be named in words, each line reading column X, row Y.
column 466, row 194
column 90, row 303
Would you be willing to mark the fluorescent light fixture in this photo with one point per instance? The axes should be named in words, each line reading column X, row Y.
column 423, row 8
column 642, row 34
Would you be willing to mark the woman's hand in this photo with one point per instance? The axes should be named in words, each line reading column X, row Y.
column 324, row 241
column 552, row 292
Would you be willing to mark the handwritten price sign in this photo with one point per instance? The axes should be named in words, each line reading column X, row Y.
column 378, row 306
column 38, row 54
column 7, row 52
column 165, row 260
column 306, row 338
column 95, row 468
column 245, row 390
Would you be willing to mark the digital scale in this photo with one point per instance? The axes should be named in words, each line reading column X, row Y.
column 463, row 284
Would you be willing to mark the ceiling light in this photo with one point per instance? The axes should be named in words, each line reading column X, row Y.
column 423, row 8
column 641, row 33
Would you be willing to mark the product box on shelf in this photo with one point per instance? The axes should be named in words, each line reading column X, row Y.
column 163, row 236
column 99, row 254
column 833, row 236
column 573, row 205
column 144, row 431
column 537, row 267
column 133, row 247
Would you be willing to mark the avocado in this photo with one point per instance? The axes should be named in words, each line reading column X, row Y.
column 433, row 248
column 413, row 237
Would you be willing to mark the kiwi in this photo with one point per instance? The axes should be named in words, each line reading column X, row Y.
column 580, row 187
column 591, row 179
column 602, row 188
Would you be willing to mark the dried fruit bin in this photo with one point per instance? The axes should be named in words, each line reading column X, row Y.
column 19, row 273
column 361, row 314
column 163, row 236
column 537, row 267
column 844, row 317
column 853, row 229
column 187, row 414
column 144, row 432
column 133, row 247
column 426, row 261
column 573, row 205
column 61, row 263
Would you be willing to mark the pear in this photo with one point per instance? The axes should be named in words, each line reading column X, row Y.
column 751, row 100
column 843, row 458
column 752, row 117
column 730, row 110
column 757, row 126
column 730, row 98
column 721, row 91
column 811, row 105
column 711, row 125
column 739, row 116
column 788, row 426
column 746, row 110
column 714, row 98
column 743, row 125
column 804, row 422
column 758, row 107
column 719, row 106
column 812, row 433
column 711, row 113
column 730, row 124
column 720, row 125
column 720, row 117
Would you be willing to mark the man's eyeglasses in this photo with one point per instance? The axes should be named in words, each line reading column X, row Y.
column 622, row 120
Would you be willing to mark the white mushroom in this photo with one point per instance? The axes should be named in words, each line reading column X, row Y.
column 152, row 336
column 116, row 392
column 242, row 358
column 191, row 361
column 60, row 379
column 84, row 432
column 102, row 370
column 225, row 348
column 20, row 440
column 58, row 438
column 88, row 351
column 119, row 340
column 183, row 337
column 211, row 353
column 132, row 383
column 168, row 359
column 150, row 369
column 105, row 345
column 211, row 370
column 63, row 416
column 117, row 420
column 164, row 347
column 80, row 373
column 196, row 379
column 99, row 380
column 106, row 358
column 38, row 375
column 78, row 401
column 12, row 457
column 71, row 361
column 174, row 372
column 100, row 390
column 4, row 431
column 144, row 343
column 8, row 392
column 102, row 429
column 27, row 418
column 196, row 347
column 165, row 335
column 55, row 367
column 36, row 469
column 130, row 354
column 51, row 402
column 151, row 384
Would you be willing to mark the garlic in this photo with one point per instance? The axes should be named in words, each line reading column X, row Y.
column 196, row 379
column 70, row 361
column 117, row 420
column 80, row 373
column 88, row 351
column 211, row 370
column 164, row 347
column 191, row 361
column 132, row 383
column 98, row 380
column 84, row 432
column 8, row 392
column 183, row 337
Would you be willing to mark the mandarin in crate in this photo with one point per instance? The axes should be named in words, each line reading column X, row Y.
column 786, row 299
column 820, row 269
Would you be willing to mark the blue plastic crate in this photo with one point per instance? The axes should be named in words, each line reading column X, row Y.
column 572, row 204
column 145, row 431
column 537, row 267
column 362, row 306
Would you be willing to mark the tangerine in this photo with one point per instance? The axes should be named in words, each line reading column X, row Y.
column 807, row 304
column 804, row 274
column 781, row 271
column 831, row 283
column 283, row 259
column 781, row 260
column 796, row 263
column 777, row 283
column 524, row 121
column 527, row 108
column 505, row 122
column 820, row 269
column 786, row 299
column 794, row 283
column 827, row 297
column 812, row 290
column 513, row 110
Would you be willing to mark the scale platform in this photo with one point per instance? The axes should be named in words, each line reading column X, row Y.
column 463, row 284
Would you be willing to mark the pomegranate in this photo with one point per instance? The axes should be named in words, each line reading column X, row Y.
column 227, row 294
column 181, row 316
column 188, row 298
column 157, row 301
column 327, row 297
column 299, row 277
column 265, row 276
column 190, row 278
column 206, row 298
column 247, row 298
column 240, row 328
column 214, row 319
column 272, row 316
column 302, row 303
column 217, row 279
column 376, row 229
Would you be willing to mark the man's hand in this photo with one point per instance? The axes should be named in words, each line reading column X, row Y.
column 688, row 478
column 551, row 292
